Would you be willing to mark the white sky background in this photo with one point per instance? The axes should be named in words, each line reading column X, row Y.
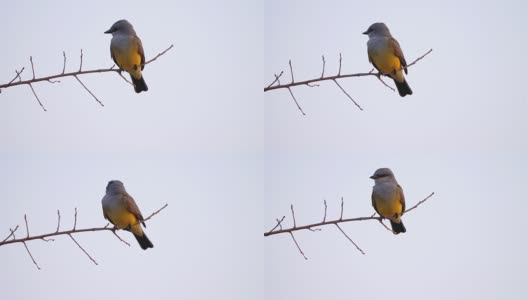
column 194, row 141
column 461, row 135
column 229, row 159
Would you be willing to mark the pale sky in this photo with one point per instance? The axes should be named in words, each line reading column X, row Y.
column 230, row 159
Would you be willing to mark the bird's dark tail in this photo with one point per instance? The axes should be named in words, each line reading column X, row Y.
column 139, row 84
column 397, row 227
column 143, row 241
column 403, row 88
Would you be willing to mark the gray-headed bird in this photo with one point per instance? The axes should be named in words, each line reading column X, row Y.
column 127, row 52
column 388, row 199
column 386, row 56
column 121, row 210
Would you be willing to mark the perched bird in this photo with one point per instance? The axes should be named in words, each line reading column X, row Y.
column 388, row 199
column 121, row 210
column 385, row 54
column 127, row 52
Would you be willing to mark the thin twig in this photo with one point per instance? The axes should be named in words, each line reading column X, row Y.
column 324, row 63
column 293, row 215
column 291, row 71
column 324, row 218
column 58, row 222
column 126, row 243
column 30, row 255
column 297, row 103
column 79, row 245
column 34, row 93
column 11, row 234
column 349, row 97
column 276, row 79
column 278, row 223
column 84, row 86
column 64, row 64
column 17, row 75
column 343, row 232
column 340, row 60
column 27, row 228
column 75, row 220
column 80, row 65
column 32, row 67
column 296, row 244
column 342, row 208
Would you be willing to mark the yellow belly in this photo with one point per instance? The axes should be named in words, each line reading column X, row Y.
column 123, row 219
column 388, row 209
column 387, row 63
column 129, row 60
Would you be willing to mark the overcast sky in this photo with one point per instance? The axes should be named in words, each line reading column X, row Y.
column 229, row 159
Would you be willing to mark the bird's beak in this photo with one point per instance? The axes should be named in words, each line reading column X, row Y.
column 372, row 177
column 108, row 31
column 366, row 32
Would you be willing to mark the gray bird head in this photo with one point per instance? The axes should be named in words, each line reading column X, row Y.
column 121, row 26
column 383, row 174
column 378, row 29
column 115, row 186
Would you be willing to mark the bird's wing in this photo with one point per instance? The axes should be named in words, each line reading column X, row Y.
column 140, row 51
column 132, row 207
column 398, row 52
column 402, row 198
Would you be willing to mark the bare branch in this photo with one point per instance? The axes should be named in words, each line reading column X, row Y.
column 278, row 224
column 64, row 64
column 349, row 97
column 34, row 93
column 30, row 255
column 310, row 82
column 419, row 203
column 159, row 54
column 75, row 220
column 273, row 82
column 11, row 234
column 296, row 244
column 32, row 67
column 80, row 65
column 27, row 228
column 340, row 60
column 67, row 232
column 84, row 86
column 357, row 247
column 291, row 71
column 293, row 215
column 297, row 103
column 17, row 75
column 79, row 245
column 342, row 206
column 51, row 78
column 324, row 218
column 324, row 63
column 58, row 222
column 340, row 220
column 126, row 243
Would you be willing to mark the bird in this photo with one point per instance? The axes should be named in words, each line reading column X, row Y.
column 386, row 56
column 388, row 199
column 121, row 210
column 127, row 52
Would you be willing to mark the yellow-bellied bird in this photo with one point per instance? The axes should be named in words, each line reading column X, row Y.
column 385, row 54
column 121, row 210
column 388, row 199
column 127, row 52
